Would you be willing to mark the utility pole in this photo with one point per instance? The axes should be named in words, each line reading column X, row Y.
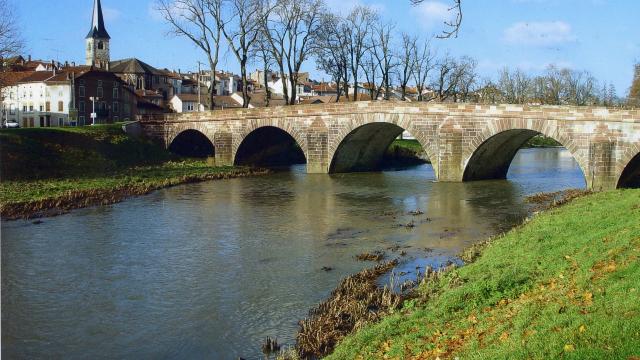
column 93, row 113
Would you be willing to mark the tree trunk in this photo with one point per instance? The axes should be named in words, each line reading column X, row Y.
column 267, row 96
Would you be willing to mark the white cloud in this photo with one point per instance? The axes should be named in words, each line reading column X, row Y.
column 433, row 13
column 539, row 33
column 111, row 14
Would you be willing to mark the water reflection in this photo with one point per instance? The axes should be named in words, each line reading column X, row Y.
column 208, row 270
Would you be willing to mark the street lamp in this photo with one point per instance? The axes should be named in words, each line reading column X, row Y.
column 93, row 113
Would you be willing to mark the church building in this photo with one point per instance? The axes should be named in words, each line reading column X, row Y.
column 97, row 40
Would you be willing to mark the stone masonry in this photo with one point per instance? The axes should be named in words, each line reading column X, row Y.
column 463, row 141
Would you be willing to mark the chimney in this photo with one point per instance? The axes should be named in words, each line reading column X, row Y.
column 29, row 57
column 73, row 64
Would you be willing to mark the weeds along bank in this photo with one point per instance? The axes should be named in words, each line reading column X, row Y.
column 566, row 284
column 45, row 171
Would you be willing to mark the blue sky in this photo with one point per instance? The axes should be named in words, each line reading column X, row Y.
column 601, row 36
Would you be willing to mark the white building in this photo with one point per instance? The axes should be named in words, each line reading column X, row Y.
column 184, row 103
column 277, row 88
column 38, row 99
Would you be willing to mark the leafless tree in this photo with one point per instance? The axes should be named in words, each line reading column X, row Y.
column 263, row 54
column 241, row 29
column 292, row 28
column 196, row 20
column 331, row 52
column 370, row 67
column 424, row 63
column 515, row 86
column 634, row 91
column 448, row 74
column 453, row 26
column 408, row 60
column 10, row 40
column 359, row 23
column 382, row 51
column 468, row 80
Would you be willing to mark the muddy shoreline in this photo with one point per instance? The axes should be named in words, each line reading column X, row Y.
column 73, row 200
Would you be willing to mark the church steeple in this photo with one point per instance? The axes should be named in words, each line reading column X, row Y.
column 97, row 40
column 98, row 30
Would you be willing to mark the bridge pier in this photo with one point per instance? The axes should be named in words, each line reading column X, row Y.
column 602, row 164
column 318, row 161
column 223, row 142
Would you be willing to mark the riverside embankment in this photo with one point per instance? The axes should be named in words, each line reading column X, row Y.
column 565, row 284
column 49, row 171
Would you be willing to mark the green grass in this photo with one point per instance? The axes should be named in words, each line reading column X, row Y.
column 412, row 145
column 45, row 153
column 541, row 141
column 42, row 165
column 156, row 176
column 565, row 285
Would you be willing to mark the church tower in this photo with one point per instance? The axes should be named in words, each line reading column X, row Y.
column 98, row 40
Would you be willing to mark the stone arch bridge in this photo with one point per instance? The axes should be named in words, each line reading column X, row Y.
column 464, row 142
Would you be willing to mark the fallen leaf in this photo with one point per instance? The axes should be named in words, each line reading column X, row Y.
column 569, row 348
column 582, row 328
column 504, row 336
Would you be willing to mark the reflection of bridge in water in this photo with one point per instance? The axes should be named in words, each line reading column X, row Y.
column 464, row 142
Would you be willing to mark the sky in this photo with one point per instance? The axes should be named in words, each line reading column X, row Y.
column 599, row 36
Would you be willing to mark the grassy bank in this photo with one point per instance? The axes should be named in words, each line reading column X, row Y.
column 51, row 170
column 405, row 151
column 566, row 284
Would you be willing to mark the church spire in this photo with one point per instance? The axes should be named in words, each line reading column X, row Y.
column 98, row 30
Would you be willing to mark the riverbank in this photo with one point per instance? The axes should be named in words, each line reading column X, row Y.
column 49, row 171
column 567, row 283
column 405, row 152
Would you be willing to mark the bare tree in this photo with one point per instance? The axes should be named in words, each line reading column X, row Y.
column 383, row 53
column 292, row 29
column 515, row 86
column 10, row 41
column 468, row 80
column 453, row 26
column 262, row 52
column 634, row 91
column 424, row 63
column 448, row 74
column 241, row 30
column 196, row 20
column 408, row 61
column 331, row 52
column 359, row 23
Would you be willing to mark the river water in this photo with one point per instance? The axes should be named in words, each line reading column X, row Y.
column 209, row 270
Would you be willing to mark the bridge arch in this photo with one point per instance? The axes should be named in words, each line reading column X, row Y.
column 192, row 143
column 269, row 145
column 630, row 169
column 361, row 145
column 489, row 155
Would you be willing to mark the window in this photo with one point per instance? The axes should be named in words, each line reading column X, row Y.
column 127, row 109
column 116, row 119
column 48, row 106
column 81, row 106
column 30, row 107
column 116, row 107
column 12, row 109
column 81, row 120
column 100, row 45
column 41, row 108
column 60, row 106
column 99, row 92
column 103, row 106
column 99, row 83
column 81, row 91
column 24, row 108
column 81, row 82
column 115, row 92
column 60, row 122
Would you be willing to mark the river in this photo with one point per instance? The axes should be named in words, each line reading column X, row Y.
column 209, row 270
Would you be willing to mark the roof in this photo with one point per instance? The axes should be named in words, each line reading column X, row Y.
column 188, row 97
column 133, row 66
column 97, row 30
column 11, row 78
